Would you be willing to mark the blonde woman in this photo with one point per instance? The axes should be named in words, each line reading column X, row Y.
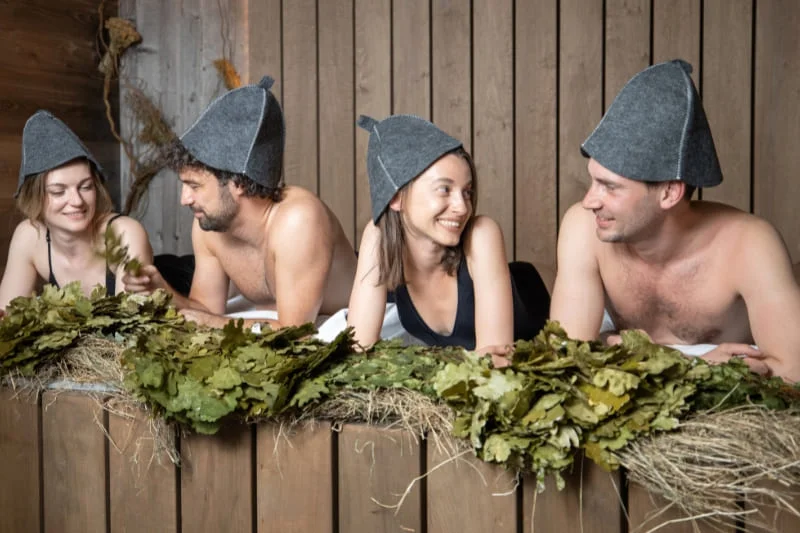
column 67, row 209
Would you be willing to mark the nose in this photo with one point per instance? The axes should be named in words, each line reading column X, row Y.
column 75, row 198
column 186, row 196
column 459, row 204
column 591, row 199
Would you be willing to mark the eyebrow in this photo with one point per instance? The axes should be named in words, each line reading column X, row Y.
column 64, row 185
column 449, row 180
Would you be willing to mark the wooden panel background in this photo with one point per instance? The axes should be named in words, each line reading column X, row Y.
column 62, row 474
column 521, row 82
column 49, row 61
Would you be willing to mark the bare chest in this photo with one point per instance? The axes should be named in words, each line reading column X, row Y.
column 88, row 273
column 691, row 303
column 249, row 269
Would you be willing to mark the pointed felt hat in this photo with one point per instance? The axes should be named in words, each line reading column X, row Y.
column 48, row 143
column 656, row 130
column 400, row 148
column 242, row 132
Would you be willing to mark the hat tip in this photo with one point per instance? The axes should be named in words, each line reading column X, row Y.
column 366, row 122
column 266, row 83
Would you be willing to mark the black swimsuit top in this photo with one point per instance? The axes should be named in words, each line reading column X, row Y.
column 531, row 306
column 111, row 279
column 464, row 328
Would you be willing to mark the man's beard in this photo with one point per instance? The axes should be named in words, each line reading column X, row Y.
column 220, row 221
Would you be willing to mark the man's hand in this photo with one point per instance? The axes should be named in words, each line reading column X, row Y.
column 148, row 280
column 612, row 338
column 752, row 357
column 204, row 319
column 500, row 354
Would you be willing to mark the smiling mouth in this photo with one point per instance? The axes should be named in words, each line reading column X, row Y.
column 450, row 224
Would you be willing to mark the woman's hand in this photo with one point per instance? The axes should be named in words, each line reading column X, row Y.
column 500, row 354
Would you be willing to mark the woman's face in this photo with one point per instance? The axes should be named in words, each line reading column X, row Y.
column 71, row 196
column 438, row 204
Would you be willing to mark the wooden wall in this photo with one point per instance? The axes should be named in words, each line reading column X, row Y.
column 49, row 61
column 521, row 82
column 61, row 474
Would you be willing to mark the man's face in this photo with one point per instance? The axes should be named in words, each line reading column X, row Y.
column 213, row 204
column 625, row 210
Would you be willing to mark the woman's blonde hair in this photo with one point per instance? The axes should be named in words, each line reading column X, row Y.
column 32, row 199
column 390, row 225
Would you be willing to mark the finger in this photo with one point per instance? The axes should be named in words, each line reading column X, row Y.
column 613, row 340
column 741, row 349
column 498, row 361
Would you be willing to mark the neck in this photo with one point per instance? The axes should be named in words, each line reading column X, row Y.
column 249, row 226
column 671, row 240
column 72, row 244
column 422, row 257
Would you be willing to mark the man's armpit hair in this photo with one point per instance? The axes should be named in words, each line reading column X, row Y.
column 176, row 157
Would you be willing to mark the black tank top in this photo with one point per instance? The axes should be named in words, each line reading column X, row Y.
column 111, row 279
column 531, row 307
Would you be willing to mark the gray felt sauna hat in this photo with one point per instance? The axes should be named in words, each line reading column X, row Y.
column 656, row 130
column 48, row 143
column 400, row 148
column 242, row 132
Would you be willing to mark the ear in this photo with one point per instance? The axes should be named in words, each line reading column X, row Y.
column 396, row 203
column 671, row 193
column 234, row 188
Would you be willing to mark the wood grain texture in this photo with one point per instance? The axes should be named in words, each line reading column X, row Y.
column 676, row 33
column 493, row 112
column 647, row 511
column 411, row 61
column 627, row 43
column 295, row 479
column 580, row 93
column 727, row 98
column 142, row 484
column 535, row 135
column 73, row 463
column 217, row 481
column 373, row 74
column 589, row 503
column 466, row 495
column 376, row 466
column 451, row 81
column 777, row 118
column 20, row 496
column 337, row 128
column 300, row 86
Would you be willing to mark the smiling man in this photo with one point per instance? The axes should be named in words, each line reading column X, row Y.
column 686, row 272
column 281, row 246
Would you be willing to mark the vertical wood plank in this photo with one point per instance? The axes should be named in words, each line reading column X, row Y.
column 217, row 481
column 536, row 97
column 493, row 112
column 411, row 62
column 451, row 69
column 727, row 78
column 645, row 511
column 373, row 87
column 142, row 486
column 627, row 43
column 769, row 519
column 467, row 495
column 20, row 499
column 295, row 479
column 676, row 33
column 337, row 112
column 589, row 503
column 777, row 118
column 73, row 463
column 300, row 93
column 264, row 27
column 375, row 466
column 580, row 93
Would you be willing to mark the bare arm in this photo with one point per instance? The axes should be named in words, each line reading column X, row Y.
column 494, row 304
column 209, row 292
column 133, row 235
column 19, row 278
column 578, row 301
column 303, row 246
column 766, row 282
column 368, row 298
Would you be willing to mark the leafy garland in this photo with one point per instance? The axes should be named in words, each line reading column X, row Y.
column 558, row 397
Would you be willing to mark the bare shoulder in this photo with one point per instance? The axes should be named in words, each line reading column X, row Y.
column 740, row 230
column 577, row 220
column 127, row 225
column 300, row 206
column 30, row 231
column 483, row 231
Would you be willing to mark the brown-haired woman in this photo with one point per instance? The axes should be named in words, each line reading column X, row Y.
column 445, row 266
column 67, row 209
